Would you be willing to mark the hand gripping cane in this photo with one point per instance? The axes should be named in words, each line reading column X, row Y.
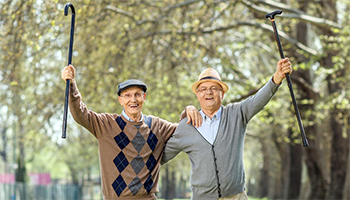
column 272, row 17
column 64, row 126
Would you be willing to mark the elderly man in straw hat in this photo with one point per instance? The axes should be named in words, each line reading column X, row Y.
column 216, row 148
column 130, row 144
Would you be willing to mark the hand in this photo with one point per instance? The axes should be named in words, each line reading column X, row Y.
column 193, row 115
column 283, row 67
column 68, row 73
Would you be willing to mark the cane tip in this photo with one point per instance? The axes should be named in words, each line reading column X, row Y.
column 305, row 143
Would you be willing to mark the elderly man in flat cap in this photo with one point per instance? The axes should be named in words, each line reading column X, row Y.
column 216, row 148
column 131, row 144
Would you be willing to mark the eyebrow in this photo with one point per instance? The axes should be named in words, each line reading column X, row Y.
column 138, row 91
column 210, row 86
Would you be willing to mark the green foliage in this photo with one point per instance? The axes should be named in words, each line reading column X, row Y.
column 166, row 44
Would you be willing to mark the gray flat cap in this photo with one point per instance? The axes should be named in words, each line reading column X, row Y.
column 131, row 83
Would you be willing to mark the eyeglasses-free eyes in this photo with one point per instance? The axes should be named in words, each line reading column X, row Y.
column 137, row 95
column 212, row 89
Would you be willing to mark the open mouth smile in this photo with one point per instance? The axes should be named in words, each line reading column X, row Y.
column 133, row 106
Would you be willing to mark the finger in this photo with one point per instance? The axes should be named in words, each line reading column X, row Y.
column 196, row 119
column 199, row 120
column 188, row 120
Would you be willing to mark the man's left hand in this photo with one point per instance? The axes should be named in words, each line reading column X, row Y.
column 283, row 67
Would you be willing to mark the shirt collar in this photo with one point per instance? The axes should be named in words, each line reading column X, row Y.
column 128, row 118
column 217, row 115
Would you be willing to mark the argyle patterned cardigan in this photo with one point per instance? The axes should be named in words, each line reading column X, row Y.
column 130, row 152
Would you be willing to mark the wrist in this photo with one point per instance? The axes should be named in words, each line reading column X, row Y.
column 276, row 80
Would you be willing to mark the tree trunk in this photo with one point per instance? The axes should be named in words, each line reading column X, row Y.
column 168, row 184
column 304, row 81
column 347, row 184
column 264, row 172
column 295, row 169
column 339, row 156
column 340, row 138
column 282, row 182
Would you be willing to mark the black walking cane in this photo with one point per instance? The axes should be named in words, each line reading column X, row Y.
column 272, row 17
column 64, row 127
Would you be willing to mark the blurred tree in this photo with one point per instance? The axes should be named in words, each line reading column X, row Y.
column 167, row 44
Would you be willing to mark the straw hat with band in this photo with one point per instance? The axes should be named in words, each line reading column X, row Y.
column 211, row 75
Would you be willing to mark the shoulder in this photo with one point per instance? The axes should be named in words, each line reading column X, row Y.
column 231, row 106
column 153, row 120
column 183, row 126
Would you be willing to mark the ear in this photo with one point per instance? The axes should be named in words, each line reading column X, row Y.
column 222, row 95
column 144, row 97
column 120, row 100
column 198, row 96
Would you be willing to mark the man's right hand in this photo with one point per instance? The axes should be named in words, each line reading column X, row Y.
column 193, row 116
column 68, row 73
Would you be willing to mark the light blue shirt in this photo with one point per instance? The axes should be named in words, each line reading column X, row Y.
column 128, row 118
column 209, row 128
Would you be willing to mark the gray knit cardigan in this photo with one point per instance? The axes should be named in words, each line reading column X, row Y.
column 218, row 169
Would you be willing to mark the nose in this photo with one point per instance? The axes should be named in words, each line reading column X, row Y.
column 133, row 98
column 209, row 90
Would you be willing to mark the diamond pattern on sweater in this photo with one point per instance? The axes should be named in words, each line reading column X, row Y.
column 137, row 164
column 137, row 126
column 151, row 162
column 148, row 184
column 138, row 142
column 119, row 185
column 121, row 162
column 122, row 140
column 120, row 122
column 152, row 140
column 135, row 186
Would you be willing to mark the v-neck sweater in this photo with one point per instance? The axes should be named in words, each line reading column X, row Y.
column 218, row 169
column 129, row 152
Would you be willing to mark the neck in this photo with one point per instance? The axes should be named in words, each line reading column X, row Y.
column 210, row 113
column 136, row 118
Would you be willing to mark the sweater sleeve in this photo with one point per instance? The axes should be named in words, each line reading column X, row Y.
column 93, row 122
column 257, row 102
column 165, row 128
column 173, row 145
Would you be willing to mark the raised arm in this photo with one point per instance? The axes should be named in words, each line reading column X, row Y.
column 257, row 102
column 93, row 122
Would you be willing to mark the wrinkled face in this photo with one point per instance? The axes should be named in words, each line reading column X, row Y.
column 132, row 100
column 209, row 95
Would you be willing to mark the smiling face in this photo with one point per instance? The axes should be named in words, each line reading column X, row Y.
column 210, row 95
column 132, row 100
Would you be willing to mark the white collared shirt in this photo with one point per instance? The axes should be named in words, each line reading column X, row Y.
column 209, row 128
column 128, row 118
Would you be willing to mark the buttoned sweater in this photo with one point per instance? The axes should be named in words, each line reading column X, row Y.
column 218, row 170
column 129, row 152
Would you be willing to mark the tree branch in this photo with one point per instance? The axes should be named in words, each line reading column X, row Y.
column 306, row 87
column 297, row 14
column 165, row 10
column 250, row 93
column 264, row 27
column 186, row 3
column 232, row 26
column 129, row 15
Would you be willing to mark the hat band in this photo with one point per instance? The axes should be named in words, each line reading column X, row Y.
column 210, row 77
